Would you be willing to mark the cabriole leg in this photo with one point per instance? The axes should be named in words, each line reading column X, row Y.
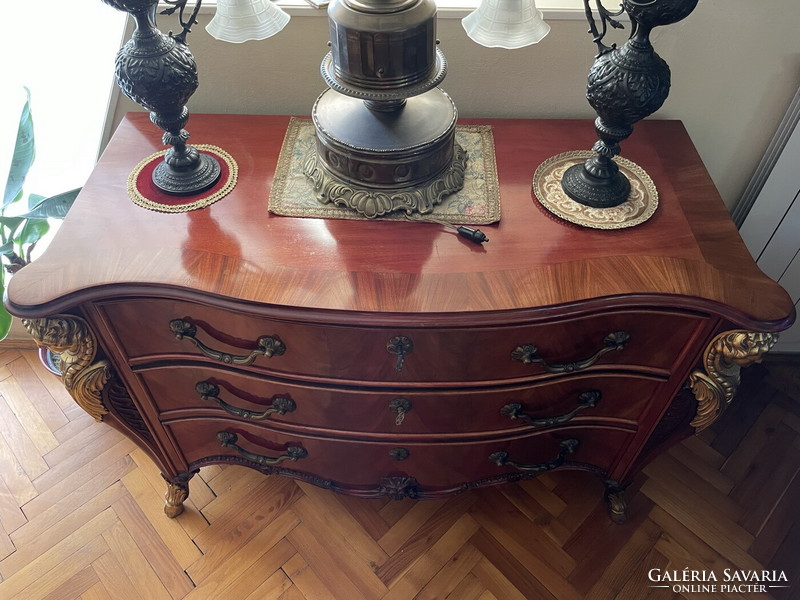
column 177, row 493
column 617, row 502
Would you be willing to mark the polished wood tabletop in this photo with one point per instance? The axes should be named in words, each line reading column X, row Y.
column 688, row 255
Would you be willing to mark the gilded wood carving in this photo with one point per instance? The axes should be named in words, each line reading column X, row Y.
column 715, row 385
column 71, row 339
column 177, row 493
column 174, row 498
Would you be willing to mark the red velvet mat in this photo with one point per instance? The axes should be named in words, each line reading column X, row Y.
column 143, row 191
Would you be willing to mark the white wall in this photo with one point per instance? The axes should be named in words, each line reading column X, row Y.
column 735, row 67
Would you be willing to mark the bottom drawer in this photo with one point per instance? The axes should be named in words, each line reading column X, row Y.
column 421, row 469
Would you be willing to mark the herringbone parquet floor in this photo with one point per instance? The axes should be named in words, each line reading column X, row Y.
column 81, row 517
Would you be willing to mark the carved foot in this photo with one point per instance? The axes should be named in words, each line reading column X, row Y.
column 617, row 504
column 177, row 493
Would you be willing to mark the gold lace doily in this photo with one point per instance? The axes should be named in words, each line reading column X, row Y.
column 144, row 193
column 640, row 205
column 477, row 203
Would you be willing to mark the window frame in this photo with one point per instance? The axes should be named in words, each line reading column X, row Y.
column 447, row 9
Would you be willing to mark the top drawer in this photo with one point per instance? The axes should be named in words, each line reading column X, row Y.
column 157, row 329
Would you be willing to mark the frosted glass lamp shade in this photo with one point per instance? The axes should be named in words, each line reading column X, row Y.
column 506, row 24
column 238, row 21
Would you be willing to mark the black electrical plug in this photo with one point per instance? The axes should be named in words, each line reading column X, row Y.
column 473, row 235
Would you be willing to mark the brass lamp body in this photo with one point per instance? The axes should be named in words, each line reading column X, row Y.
column 384, row 133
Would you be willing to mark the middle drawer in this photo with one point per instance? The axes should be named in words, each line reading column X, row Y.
column 184, row 391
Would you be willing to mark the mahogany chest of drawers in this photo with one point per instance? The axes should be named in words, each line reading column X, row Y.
column 391, row 358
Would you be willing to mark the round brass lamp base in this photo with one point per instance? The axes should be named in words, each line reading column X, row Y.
column 378, row 162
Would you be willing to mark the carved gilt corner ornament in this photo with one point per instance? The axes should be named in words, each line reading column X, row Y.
column 715, row 385
column 71, row 339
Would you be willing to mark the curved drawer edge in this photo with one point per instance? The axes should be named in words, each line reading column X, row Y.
column 381, row 437
column 643, row 300
column 395, row 488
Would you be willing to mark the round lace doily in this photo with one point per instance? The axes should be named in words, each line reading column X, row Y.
column 144, row 193
column 640, row 205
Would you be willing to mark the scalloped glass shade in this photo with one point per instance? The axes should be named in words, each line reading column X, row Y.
column 238, row 21
column 506, row 24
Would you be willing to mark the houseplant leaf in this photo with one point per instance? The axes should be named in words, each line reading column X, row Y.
column 24, row 153
column 54, row 207
column 5, row 318
column 9, row 226
column 32, row 231
column 19, row 234
column 34, row 199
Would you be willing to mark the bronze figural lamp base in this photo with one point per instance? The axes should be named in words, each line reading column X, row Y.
column 625, row 85
column 158, row 71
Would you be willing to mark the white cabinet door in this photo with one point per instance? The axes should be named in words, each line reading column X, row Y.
column 790, row 340
column 772, row 230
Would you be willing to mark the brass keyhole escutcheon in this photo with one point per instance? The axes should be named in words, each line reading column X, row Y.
column 400, row 346
column 399, row 454
column 400, row 406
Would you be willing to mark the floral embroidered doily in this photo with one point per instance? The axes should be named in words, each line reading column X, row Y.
column 640, row 205
column 477, row 203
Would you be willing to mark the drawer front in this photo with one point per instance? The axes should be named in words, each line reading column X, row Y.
column 610, row 398
column 640, row 339
column 361, row 465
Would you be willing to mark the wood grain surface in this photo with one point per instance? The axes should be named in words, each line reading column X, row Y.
column 689, row 254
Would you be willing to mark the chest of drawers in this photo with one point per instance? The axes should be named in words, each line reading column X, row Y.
column 396, row 359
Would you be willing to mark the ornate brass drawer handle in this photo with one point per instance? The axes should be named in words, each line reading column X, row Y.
column 587, row 399
column 268, row 346
column 565, row 448
column 526, row 354
column 400, row 346
column 228, row 440
column 280, row 404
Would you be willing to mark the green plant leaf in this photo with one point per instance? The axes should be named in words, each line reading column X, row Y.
column 32, row 231
column 15, row 199
column 24, row 153
column 54, row 207
column 5, row 318
column 6, row 248
column 34, row 199
column 12, row 224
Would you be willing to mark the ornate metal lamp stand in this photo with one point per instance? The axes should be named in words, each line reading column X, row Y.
column 158, row 72
column 625, row 85
column 385, row 134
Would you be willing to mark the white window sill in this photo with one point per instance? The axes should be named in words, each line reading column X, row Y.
column 448, row 9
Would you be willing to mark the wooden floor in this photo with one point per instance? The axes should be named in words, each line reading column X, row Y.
column 81, row 517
